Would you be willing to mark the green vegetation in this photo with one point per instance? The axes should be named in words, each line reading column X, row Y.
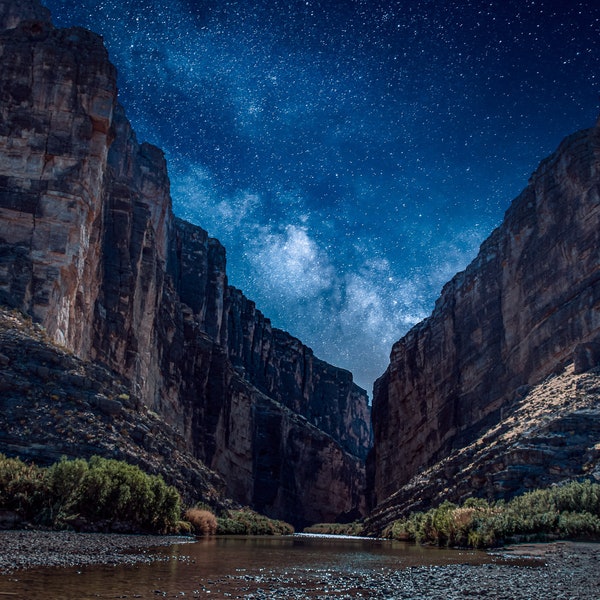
column 568, row 511
column 248, row 522
column 99, row 494
column 102, row 494
column 355, row 528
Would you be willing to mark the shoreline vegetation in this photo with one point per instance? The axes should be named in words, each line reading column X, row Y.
column 111, row 496
column 51, row 495
column 563, row 512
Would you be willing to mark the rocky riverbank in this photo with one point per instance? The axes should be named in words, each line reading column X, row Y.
column 560, row 570
column 30, row 549
column 545, row 572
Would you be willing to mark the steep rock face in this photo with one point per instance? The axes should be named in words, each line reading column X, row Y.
column 283, row 368
column 522, row 309
column 276, row 363
column 89, row 248
column 297, row 437
column 55, row 120
column 53, row 404
column 136, row 224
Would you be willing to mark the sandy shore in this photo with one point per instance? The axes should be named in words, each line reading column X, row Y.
column 553, row 571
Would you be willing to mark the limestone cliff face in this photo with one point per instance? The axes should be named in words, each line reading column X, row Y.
column 55, row 121
column 90, row 248
column 548, row 435
column 524, row 308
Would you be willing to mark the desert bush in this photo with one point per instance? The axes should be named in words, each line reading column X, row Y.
column 96, row 494
column 355, row 528
column 248, row 522
column 22, row 488
column 63, row 483
column 114, row 491
column 578, row 524
column 203, row 521
column 184, row 528
column 570, row 510
column 406, row 529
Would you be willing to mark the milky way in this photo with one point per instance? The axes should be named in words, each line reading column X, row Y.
column 350, row 155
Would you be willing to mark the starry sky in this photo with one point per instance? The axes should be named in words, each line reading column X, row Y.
column 351, row 155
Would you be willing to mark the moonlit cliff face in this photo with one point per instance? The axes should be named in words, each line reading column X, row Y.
column 527, row 308
column 91, row 250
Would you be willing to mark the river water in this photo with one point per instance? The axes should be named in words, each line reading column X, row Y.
column 299, row 566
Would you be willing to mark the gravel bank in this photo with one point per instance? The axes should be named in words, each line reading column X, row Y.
column 28, row 549
column 555, row 571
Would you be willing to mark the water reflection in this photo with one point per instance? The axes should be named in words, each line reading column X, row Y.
column 227, row 567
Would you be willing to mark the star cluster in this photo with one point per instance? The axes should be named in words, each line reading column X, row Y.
column 350, row 155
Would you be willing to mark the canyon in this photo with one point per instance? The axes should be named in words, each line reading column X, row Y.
column 91, row 250
column 121, row 336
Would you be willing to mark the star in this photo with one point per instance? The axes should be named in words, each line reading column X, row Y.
column 351, row 156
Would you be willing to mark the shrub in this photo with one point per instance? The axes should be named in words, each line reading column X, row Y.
column 63, row 482
column 184, row 528
column 96, row 494
column 570, row 510
column 578, row 524
column 114, row 491
column 203, row 521
column 22, row 488
column 355, row 528
column 249, row 522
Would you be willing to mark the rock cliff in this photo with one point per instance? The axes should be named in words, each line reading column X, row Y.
column 548, row 435
column 527, row 306
column 90, row 248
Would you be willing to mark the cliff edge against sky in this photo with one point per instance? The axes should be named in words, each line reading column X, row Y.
column 90, row 248
column 527, row 307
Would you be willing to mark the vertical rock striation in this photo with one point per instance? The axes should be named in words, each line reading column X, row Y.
column 527, row 304
column 55, row 120
column 90, row 248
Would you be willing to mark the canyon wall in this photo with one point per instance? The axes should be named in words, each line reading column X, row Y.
column 524, row 308
column 90, row 248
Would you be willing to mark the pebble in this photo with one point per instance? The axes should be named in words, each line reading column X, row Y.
column 29, row 549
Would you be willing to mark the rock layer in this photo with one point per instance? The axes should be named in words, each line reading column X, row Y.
column 526, row 306
column 53, row 404
column 90, row 248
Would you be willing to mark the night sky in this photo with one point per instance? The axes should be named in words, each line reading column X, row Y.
column 350, row 155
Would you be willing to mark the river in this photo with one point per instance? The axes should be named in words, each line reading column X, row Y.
column 300, row 566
